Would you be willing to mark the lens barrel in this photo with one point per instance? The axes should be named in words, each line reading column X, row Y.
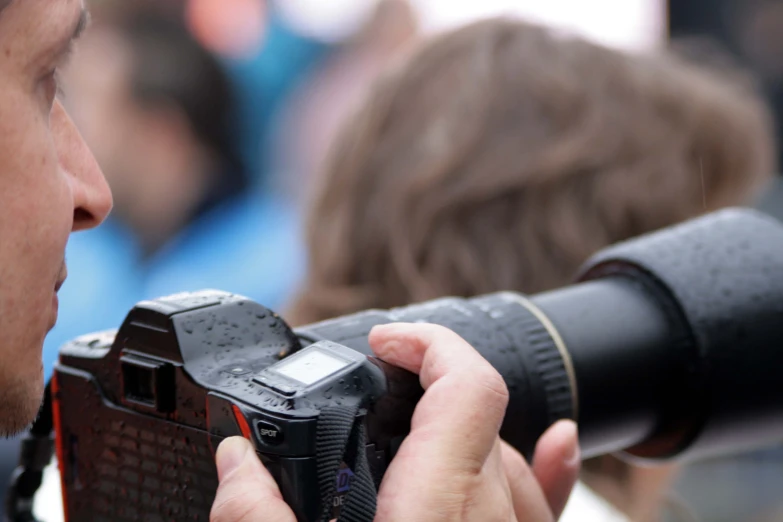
column 669, row 345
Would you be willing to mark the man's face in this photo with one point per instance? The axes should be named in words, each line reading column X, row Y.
column 50, row 185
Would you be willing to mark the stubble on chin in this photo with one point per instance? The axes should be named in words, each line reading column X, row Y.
column 20, row 403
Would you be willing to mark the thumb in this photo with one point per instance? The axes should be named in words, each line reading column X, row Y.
column 247, row 492
column 556, row 463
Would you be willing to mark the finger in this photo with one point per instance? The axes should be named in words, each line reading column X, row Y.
column 247, row 492
column 528, row 498
column 429, row 350
column 452, row 373
column 556, row 464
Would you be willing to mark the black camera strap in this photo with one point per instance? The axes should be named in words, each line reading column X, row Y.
column 340, row 437
column 36, row 455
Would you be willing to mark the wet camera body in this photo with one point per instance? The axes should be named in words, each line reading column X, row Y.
column 148, row 405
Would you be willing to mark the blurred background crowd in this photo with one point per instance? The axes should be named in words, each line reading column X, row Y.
column 214, row 119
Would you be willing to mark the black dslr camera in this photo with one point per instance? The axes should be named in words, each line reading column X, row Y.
column 668, row 346
column 184, row 372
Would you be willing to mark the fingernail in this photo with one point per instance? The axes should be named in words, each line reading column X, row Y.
column 392, row 327
column 570, row 431
column 231, row 454
column 383, row 328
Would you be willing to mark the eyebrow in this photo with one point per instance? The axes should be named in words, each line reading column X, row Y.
column 81, row 24
column 65, row 46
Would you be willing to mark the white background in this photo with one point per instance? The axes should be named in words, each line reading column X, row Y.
column 629, row 24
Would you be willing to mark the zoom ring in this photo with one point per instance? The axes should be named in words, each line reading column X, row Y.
column 524, row 324
column 551, row 369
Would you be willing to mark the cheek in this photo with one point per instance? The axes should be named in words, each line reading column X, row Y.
column 44, row 218
column 36, row 216
column 53, row 207
column 35, row 193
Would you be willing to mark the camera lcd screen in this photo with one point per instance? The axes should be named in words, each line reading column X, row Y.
column 310, row 367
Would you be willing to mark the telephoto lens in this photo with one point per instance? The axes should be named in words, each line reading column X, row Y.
column 669, row 345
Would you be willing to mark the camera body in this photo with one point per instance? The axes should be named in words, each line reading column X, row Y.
column 148, row 405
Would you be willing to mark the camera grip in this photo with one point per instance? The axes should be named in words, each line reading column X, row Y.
column 297, row 479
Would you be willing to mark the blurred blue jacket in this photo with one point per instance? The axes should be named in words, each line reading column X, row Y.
column 249, row 245
column 262, row 83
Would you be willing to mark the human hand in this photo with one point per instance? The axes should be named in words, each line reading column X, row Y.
column 452, row 465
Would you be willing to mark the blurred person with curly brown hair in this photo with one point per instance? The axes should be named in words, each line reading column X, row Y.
column 502, row 155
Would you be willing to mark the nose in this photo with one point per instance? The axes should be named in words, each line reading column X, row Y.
column 92, row 200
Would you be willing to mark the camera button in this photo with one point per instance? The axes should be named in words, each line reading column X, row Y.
column 278, row 387
column 269, row 433
column 284, row 389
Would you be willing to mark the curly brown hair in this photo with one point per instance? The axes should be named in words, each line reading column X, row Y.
column 502, row 155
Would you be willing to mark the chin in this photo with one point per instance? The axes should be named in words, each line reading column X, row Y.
column 20, row 402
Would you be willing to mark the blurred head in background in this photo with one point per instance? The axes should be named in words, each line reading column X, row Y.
column 502, row 155
column 154, row 107
column 317, row 109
